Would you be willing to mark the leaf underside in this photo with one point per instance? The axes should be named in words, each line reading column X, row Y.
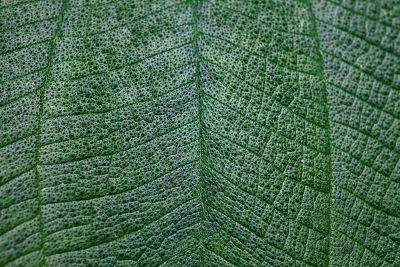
column 199, row 133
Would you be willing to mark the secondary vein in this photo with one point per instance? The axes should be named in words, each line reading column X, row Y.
column 328, row 127
column 42, row 92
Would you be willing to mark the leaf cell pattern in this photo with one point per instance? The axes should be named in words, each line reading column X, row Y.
column 199, row 133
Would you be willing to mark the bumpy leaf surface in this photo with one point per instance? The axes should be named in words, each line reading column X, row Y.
column 199, row 133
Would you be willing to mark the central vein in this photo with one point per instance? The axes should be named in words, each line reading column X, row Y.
column 200, row 123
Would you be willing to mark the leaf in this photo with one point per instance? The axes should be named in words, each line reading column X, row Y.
column 207, row 133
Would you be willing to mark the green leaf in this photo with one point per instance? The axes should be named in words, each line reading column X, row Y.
column 199, row 133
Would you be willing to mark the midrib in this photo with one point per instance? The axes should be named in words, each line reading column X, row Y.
column 200, row 124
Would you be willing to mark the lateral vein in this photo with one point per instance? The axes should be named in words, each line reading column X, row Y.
column 328, row 127
column 42, row 92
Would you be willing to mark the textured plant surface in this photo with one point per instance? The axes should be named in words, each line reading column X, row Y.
column 199, row 133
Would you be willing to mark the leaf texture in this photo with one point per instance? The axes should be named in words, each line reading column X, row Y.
column 199, row 133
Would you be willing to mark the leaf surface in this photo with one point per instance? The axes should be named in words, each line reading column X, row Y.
column 199, row 133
